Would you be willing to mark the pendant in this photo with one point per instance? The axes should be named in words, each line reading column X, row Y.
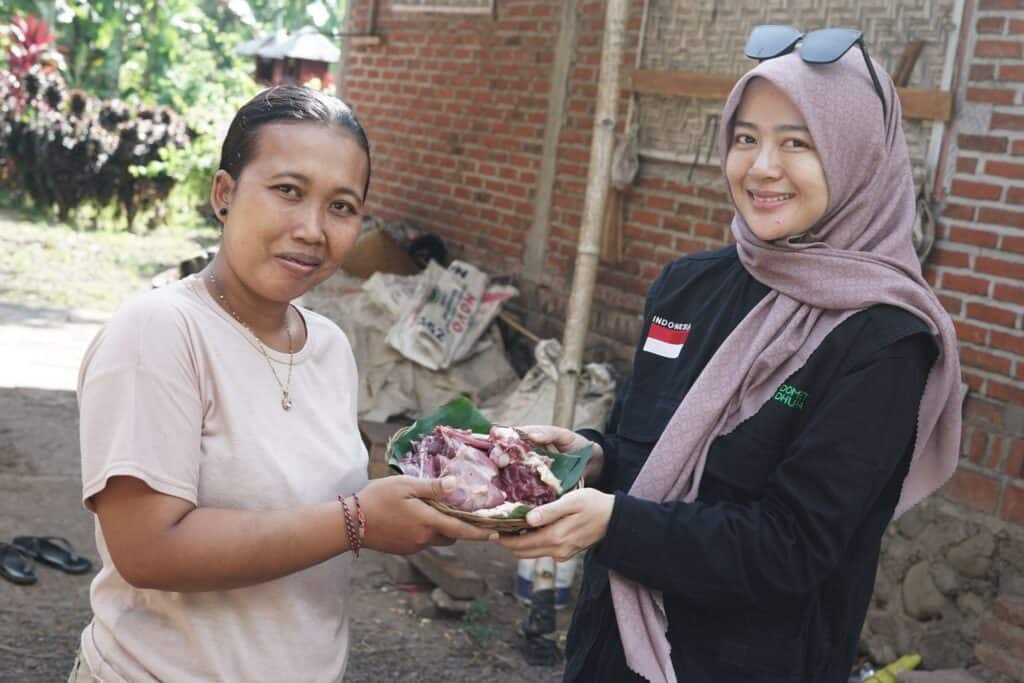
column 286, row 402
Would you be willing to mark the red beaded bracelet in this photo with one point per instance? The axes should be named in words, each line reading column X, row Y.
column 361, row 518
column 354, row 540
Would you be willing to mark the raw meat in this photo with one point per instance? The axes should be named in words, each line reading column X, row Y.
column 491, row 469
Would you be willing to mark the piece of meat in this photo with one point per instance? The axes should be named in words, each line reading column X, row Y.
column 476, row 476
column 490, row 468
column 521, row 483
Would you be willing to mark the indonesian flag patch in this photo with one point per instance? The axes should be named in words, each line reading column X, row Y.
column 666, row 338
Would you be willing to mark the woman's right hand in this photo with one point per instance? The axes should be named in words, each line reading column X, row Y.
column 564, row 441
column 399, row 522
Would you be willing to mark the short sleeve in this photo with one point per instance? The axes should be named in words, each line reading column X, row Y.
column 140, row 407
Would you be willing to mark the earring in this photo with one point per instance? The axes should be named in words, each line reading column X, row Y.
column 223, row 211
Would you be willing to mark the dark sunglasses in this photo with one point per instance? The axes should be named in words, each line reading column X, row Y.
column 823, row 46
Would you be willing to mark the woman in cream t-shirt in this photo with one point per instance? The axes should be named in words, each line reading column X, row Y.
column 220, row 450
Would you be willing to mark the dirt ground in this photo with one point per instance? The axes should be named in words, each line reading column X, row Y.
column 391, row 641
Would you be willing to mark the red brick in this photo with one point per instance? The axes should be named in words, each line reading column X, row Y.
column 968, row 284
column 1013, row 511
column 1014, row 466
column 991, row 95
column 958, row 212
column 973, row 190
column 1000, row 267
column 953, row 305
column 998, row 49
column 1005, row 169
column 978, row 444
column 972, row 489
column 1015, row 195
column 996, row 659
column 1010, row 608
column 967, row 164
column 975, row 383
column 991, row 25
column 983, row 360
column 1016, row 27
column 1009, row 293
column 1005, row 341
column 1014, row 243
column 950, row 258
column 995, row 5
column 983, row 143
column 991, row 314
column 968, row 332
column 1011, row 219
column 1016, row 149
column 1011, row 72
column 1001, row 121
column 1002, row 391
column 980, row 238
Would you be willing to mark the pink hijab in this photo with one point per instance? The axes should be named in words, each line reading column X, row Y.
column 859, row 254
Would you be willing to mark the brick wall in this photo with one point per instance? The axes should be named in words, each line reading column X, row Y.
column 978, row 264
column 456, row 106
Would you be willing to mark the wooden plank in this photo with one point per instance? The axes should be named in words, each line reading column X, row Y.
column 932, row 105
column 929, row 105
column 680, row 83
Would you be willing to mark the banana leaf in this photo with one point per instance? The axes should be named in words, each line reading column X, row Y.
column 460, row 412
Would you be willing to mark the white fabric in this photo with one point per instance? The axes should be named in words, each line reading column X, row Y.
column 175, row 392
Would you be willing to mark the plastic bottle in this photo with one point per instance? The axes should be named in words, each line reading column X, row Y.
column 889, row 673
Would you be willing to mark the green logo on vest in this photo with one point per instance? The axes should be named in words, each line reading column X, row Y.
column 791, row 396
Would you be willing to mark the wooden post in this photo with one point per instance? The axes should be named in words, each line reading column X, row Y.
column 598, row 181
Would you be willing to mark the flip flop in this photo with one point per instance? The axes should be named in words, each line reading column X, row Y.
column 15, row 565
column 54, row 551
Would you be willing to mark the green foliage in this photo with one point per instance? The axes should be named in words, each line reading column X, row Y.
column 171, row 53
column 65, row 149
column 476, row 622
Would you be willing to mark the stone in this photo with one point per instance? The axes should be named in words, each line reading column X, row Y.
column 973, row 557
column 945, row 649
column 971, row 604
column 421, row 604
column 898, row 557
column 401, row 571
column 921, row 599
column 895, row 629
column 446, row 604
column 1011, row 582
column 943, row 533
column 945, row 579
column 913, row 522
column 878, row 649
column 442, row 567
column 884, row 586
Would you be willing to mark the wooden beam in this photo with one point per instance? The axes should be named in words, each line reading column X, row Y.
column 931, row 105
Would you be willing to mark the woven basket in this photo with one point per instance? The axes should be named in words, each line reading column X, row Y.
column 499, row 524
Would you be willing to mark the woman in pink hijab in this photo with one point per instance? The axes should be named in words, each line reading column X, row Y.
column 790, row 394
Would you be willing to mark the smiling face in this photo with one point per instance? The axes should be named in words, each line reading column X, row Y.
column 293, row 212
column 774, row 172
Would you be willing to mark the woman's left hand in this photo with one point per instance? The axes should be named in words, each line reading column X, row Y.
column 570, row 524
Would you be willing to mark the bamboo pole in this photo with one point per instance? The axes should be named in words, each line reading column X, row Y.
column 598, row 183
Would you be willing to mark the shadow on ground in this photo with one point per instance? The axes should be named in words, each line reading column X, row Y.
column 40, row 486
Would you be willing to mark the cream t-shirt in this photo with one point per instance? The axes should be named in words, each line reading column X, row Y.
column 176, row 392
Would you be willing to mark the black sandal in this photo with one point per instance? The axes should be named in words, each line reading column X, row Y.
column 54, row 551
column 16, row 565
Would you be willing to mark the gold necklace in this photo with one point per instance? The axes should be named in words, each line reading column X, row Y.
column 286, row 400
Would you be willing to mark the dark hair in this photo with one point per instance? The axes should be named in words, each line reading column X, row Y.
column 286, row 104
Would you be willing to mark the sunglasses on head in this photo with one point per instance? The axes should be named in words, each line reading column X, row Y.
column 823, row 46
